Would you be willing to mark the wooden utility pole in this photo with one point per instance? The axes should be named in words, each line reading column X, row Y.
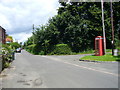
column 103, row 25
column 112, row 28
column 33, row 35
column 33, row 28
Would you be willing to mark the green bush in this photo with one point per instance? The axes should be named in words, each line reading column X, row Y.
column 34, row 49
column 61, row 49
column 6, row 49
column 58, row 49
column 117, row 43
column 30, row 48
column 6, row 64
column 41, row 53
column 6, row 57
column 14, row 45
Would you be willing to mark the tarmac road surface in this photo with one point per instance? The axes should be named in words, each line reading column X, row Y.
column 36, row 71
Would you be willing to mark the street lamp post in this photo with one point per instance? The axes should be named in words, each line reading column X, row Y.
column 103, row 25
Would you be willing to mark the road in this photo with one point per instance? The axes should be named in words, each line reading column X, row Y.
column 36, row 71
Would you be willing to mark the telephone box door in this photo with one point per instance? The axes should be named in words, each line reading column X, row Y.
column 99, row 47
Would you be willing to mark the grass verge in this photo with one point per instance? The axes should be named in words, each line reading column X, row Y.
column 107, row 57
column 93, row 51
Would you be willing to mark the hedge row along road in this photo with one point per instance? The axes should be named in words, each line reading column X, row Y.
column 35, row 71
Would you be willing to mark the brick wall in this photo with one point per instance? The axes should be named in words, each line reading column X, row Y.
column 2, row 35
column 2, row 41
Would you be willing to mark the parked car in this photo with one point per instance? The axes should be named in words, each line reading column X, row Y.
column 18, row 50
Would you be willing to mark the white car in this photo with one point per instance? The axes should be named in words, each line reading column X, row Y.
column 18, row 50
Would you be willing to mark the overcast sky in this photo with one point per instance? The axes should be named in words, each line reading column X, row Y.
column 18, row 16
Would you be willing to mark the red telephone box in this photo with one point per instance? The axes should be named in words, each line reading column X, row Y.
column 99, row 46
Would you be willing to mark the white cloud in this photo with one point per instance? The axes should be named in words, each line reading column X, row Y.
column 4, row 22
column 21, row 37
column 17, row 16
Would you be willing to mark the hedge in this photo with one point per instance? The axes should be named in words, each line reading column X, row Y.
column 30, row 48
column 6, row 57
column 61, row 49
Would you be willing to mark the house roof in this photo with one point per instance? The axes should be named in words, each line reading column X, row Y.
column 9, row 40
column 1, row 28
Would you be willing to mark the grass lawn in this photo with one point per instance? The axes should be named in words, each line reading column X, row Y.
column 107, row 57
column 92, row 51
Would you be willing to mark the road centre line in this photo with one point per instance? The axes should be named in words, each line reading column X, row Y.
column 56, row 59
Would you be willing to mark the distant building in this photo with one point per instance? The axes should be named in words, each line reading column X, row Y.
column 2, row 35
column 9, row 40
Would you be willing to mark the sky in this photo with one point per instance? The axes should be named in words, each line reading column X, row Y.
column 18, row 16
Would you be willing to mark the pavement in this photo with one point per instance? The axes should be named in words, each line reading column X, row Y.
column 66, row 71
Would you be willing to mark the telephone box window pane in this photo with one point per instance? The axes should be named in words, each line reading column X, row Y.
column 97, row 46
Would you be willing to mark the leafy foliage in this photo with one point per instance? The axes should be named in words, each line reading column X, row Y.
column 77, row 24
column 61, row 49
column 30, row 48
column 14, row 45
column 6, row 51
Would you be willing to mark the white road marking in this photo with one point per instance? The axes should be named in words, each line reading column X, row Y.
column 56, row 59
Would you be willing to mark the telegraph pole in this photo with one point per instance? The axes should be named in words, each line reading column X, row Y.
column 112, row 28
column 33, row 34
column 103, row 25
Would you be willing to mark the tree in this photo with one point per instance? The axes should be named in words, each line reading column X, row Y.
column 14, row 45
column 77, row 24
